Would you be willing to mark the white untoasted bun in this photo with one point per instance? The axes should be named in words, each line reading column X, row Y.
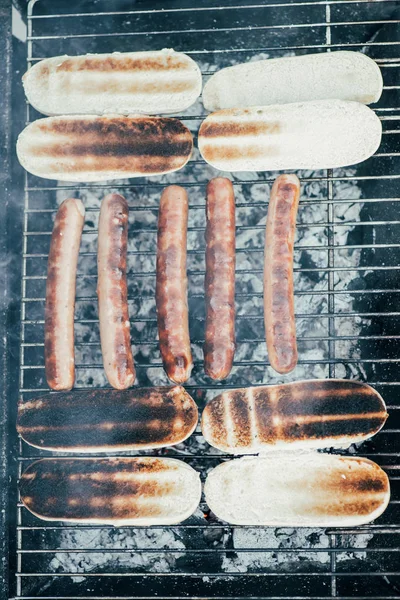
column 117, row 491
column 164, row 81
column 87, row 148
column 342, row 75
column 310, row 490
column 310, row 135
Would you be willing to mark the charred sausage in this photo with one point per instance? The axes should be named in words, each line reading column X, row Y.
column 60, row 295
column 219, row 346
column 279, row 317
column 171, row 284
column 112, row 292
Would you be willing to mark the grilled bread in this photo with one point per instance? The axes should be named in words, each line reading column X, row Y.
column 116, row 491
column 108, row 420
column 124, row 83
column 312, row 135
column 293, row 416
column 342, row 75
column 88, row 148
column 310, row 490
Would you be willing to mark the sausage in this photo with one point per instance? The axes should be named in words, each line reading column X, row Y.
column 112, row 292
column 280, row 326
column 60, row 295
column 171, row 284
column 219, row 346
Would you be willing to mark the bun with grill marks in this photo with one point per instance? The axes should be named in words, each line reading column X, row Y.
column 306, row 490
column 161, row 82
column 324, row 134
column 85, row 148
column 108, row 420
column 116, row 491
column 293, row 416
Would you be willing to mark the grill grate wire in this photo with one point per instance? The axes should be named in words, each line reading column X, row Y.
column 332, row 578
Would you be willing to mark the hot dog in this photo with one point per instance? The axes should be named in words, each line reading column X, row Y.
column 171, row 285
column 60, row 295
column 280, row 326
column 112, row 292
column 219, row 346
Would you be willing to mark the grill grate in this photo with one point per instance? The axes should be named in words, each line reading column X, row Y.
column 347, row 308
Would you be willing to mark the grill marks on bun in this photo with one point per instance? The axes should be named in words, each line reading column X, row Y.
column 108, row 420
column 157, row 82
column 305, row 414
column 100, row 148
column 118, row 491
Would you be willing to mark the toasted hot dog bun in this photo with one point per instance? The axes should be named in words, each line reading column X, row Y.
column 88, row 148
column 293, row 416
column 132, row 82
column 108, row 420
column 309, row 490
column 310, row 135
column 342, row 75
column 116, row 491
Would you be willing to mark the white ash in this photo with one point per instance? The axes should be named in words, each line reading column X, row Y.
column 311, row 549
column 129, row 558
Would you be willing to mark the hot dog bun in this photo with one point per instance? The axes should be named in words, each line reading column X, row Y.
column 342, row 75
column 308, row 490
column 88, row 148
column 117, row 491
column 108, row 420
column 164, row 81
column 293, row 416
column 312, row 135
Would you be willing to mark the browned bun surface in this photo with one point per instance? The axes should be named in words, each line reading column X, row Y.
column 108, row 420
column 142, row 491
column 85, row 148
column 298, row 490
column 304, row 414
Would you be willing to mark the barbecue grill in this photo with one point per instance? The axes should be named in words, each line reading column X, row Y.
column 347, row 282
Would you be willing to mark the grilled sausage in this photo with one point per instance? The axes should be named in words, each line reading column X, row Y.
column 171, row 285
column 293, row 416
column 112, row 292
column 305, row 490
column 219, row 346
column 60, row 295
column 117, row 491
column 108, row 420
column 85, row 148
column 280, row 326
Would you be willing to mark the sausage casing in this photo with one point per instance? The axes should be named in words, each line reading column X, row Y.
column 219, row 346
column 113, row 293
column 280, row 326
column 171, row 284
column 60, row 295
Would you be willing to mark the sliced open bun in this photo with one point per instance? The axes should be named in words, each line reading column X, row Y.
column 164, row 81
column 343, row 75
column 86, row 148
column 316, row 135
column 117, row 491
column 293, row 416
column 296, row 490
column 108, row 420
